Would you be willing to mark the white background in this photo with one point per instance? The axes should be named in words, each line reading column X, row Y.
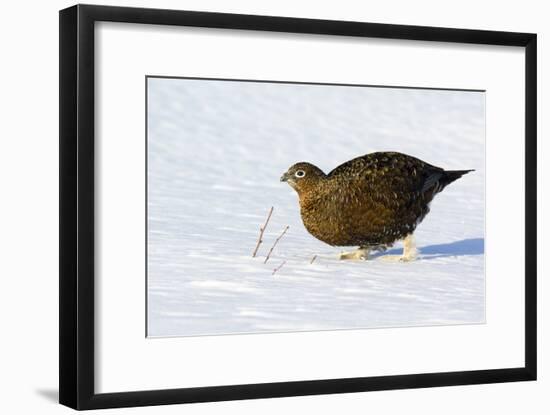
column 29, row 208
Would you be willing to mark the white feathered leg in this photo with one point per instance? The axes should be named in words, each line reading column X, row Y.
column 409, row 248
column 361, row 254
column 409, row 251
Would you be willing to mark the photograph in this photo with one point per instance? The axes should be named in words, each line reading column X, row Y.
column 285, row 206
column 275, row 207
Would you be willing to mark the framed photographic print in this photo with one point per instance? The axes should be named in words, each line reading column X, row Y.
column 256, row 206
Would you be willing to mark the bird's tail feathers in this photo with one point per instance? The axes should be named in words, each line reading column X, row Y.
column 452, row 175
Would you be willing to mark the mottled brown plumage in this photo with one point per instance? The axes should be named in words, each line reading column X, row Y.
column 370, row 201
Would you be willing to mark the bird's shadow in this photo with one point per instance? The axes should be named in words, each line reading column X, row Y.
column 471, row 246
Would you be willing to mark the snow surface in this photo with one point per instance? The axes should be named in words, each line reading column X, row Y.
column 216, row 150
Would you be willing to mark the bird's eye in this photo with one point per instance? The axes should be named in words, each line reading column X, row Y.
column 300, row 174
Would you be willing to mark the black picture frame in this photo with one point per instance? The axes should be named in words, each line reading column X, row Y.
column 76, row 278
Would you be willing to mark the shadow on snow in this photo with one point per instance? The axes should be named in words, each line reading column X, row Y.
column 472, row 246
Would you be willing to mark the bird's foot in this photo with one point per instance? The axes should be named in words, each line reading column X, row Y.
column 409, row 251
column 398, row 258
column 359, row 254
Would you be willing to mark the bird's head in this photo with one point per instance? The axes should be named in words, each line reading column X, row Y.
column 303, row 176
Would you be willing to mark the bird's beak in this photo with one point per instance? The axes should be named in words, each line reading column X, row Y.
column 284, row 177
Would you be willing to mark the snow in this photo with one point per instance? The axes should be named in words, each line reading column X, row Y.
column 216, row 150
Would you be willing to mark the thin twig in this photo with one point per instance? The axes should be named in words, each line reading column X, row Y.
column 278, row 268
column 313, row 259
column 275, row 243
column 262, row 230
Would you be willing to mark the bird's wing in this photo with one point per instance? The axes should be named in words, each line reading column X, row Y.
column 391, row 179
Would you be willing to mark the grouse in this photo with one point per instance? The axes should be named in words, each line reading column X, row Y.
column 370, row 201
